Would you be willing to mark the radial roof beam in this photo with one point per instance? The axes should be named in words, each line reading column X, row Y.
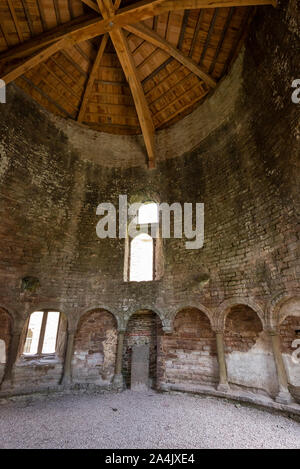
column 169, row 5
column 91, row 79
column 125, row 57
column 39, row 57
column 147, row 9
column 143, row 111
column 81, row 24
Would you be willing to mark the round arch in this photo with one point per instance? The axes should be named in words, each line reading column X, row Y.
column 44, row 307
column 278, row 306
column 136, row 309
column 201, row 308
column 95, row 346
column 143, row 327
column 95, row 308
column 61, row 328
column 225, row 307
column 144, row 197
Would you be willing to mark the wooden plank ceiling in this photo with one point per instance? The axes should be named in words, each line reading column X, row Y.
column 121, row 66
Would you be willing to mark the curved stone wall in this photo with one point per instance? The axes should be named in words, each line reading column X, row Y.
column 237, row 153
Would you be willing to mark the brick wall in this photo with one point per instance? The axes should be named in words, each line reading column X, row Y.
column 237, row 153
column 242, row 330
column 33, row 372
column 189, row 354
column 5, row 334
column 95, row 348
column 249, row 355
column 144, row 327
column 5, row 328
column 288, row 332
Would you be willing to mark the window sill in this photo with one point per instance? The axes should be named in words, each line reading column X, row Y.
column 145, row 282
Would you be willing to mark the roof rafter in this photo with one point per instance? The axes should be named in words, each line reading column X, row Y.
column 147, row 9
column 149, row 35
column 15, row 19
column 33, row 61
column 142, row 108
column 91, row 79
column 126, row 59
column 169, row 5
column 82, row 23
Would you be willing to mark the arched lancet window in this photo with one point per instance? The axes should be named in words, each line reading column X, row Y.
column 143, row 252
column 141, row 258
column 148, row 213
column 41, row 334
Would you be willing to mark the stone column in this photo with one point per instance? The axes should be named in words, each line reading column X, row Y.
column 67, row 373
column 283, row 396
column 223, row 380
column 118, row 382
column 7, row 381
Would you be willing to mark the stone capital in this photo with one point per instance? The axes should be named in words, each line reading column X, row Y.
column 167, row 326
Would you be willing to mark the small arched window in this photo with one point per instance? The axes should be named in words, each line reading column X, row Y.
column 143, row 249
column 148, row 213
column 41, row 334
column 141, row 258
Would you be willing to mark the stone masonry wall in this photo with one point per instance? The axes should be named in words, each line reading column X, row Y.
column 32, row 372
column 189, row 354
column 290, row 331
column 5, row 333
column 95, row 348
column 143, row 328
column 238, row 153
column 249, row 356
column 242, row 330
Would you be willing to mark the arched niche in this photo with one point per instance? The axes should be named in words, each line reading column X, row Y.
column 249, row 356
column 289, row 330
column 95, row 348
column 143, row 327
column 60, row 334
column 144, row 254
column 40, row 367
column 189, row 355
column 5, row 335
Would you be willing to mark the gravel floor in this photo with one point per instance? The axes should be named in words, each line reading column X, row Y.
column 142, row 420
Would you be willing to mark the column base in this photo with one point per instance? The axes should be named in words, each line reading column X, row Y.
column 223, row 387
column 66, row 381
column 118, row 382
column 284, row 397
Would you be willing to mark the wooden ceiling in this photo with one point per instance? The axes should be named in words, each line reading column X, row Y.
column 121, row 66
